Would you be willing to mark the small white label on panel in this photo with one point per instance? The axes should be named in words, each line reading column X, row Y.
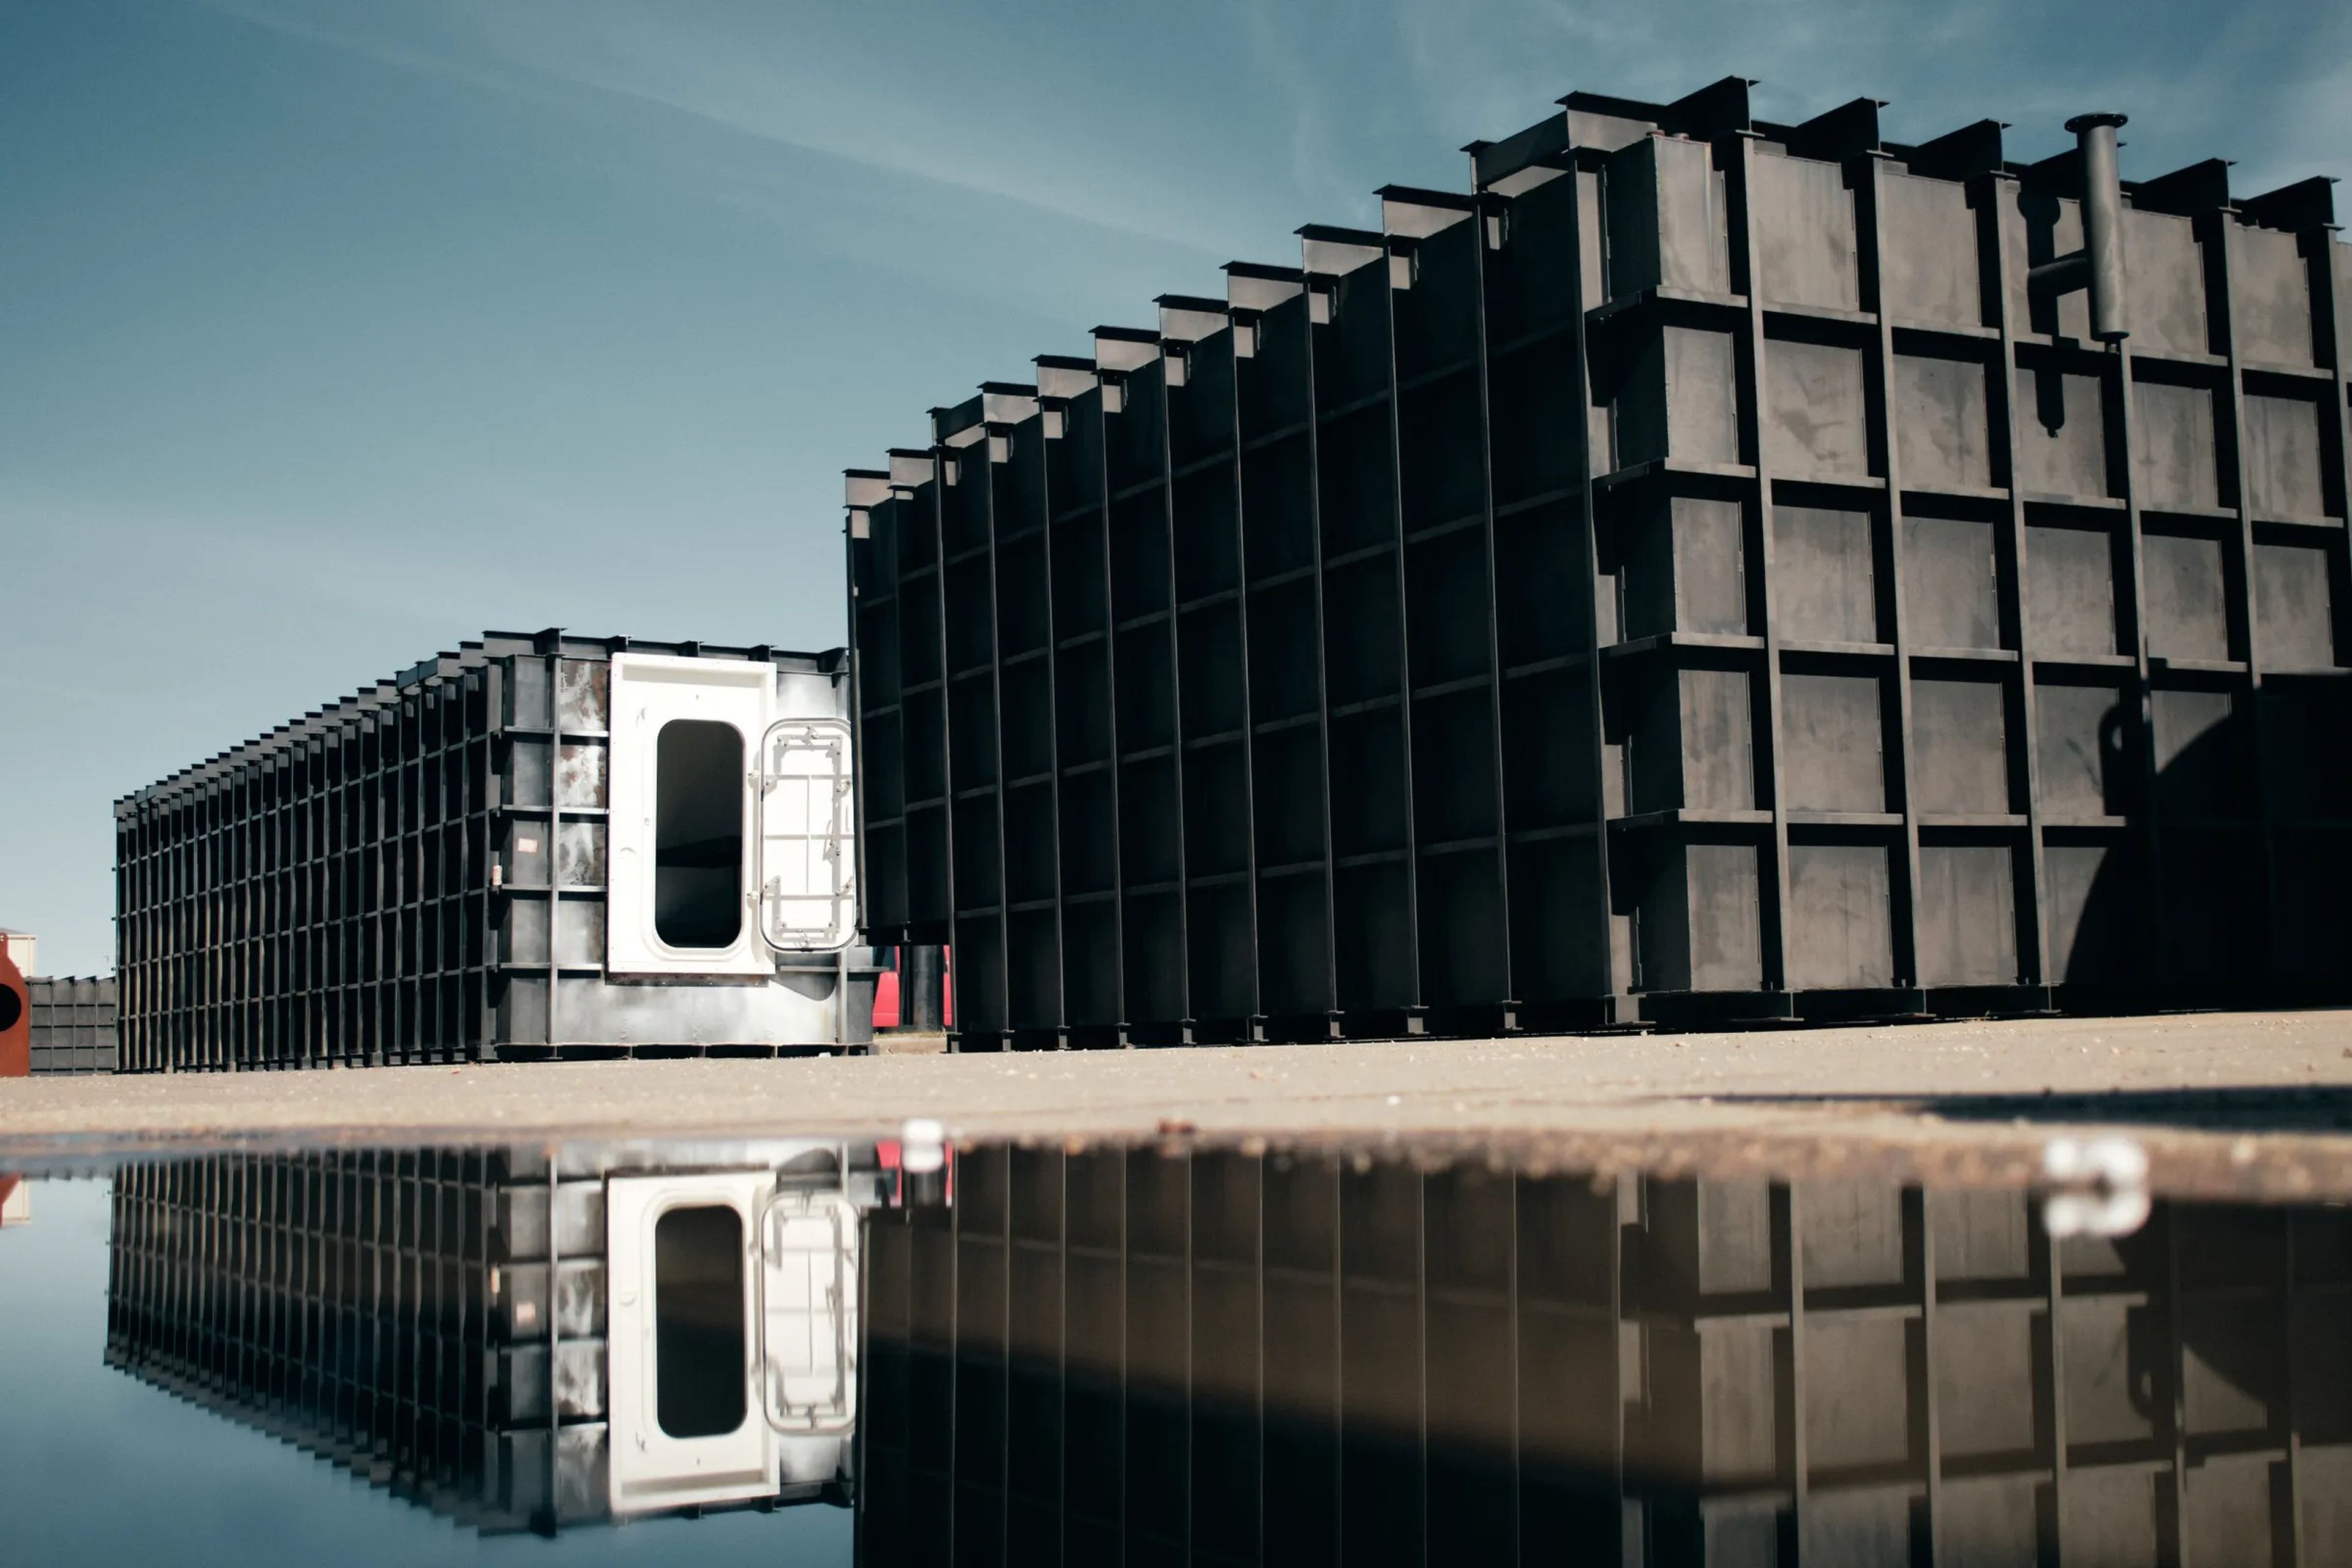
column 526, row 845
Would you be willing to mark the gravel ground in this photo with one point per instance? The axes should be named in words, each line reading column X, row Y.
column 2248, row 1104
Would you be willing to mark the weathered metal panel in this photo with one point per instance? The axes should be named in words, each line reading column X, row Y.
column 2294, row 607
column 1685, row 572
column 1679, row 404
column 1842, row 927
column 1960, row 747
column 1702, row 916
column 1930, row 273
column 1942, row 433
column 1816, row 420
column 1968, row 915
column 2284, row 457
column 2270, row 296
column 2166, row 281
column 1804, row 221
column 2188, row 613
column 1832, row 740
column 1667, row 213
column 1951, row 583
column 2071, row 593
column 2061, row 433
column 2178, row 465
column 1824, row 575
column 2086, row 743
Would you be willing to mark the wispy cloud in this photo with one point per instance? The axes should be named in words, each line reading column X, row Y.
column 752, row 80
column 1014, row 207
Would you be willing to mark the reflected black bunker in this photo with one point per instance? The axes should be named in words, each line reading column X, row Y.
column 1123, row 1356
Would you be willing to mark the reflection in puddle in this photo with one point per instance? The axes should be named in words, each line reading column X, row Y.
column 394, row 1312
column 1107, row 1355
column 698, row 1349
column 1301, row 1361
column 2098, row 1187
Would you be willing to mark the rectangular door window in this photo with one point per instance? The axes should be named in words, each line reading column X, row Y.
column 698, row 834
column 698, row 1349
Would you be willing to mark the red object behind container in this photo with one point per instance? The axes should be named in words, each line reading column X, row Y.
column 886, row 994
column 16, row 1023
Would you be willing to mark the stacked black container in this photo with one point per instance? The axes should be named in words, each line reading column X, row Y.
column 1692, row 578
column 73, row 1022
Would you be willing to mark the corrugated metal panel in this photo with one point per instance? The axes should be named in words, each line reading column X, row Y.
column 73, row 1023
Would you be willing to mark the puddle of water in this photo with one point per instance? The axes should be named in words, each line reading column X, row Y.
column 813, row 1352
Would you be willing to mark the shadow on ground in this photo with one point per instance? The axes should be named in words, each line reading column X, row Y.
column 2253, row 1109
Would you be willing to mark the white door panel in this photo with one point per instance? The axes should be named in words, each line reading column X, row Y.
column 703, row 1436
column 689, row 871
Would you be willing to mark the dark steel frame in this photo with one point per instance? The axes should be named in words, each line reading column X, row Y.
column 1491, row 623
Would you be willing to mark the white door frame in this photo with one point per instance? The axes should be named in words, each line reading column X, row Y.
column 649, row 690
column 650, row 1469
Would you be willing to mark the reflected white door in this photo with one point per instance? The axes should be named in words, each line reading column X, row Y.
column 688, row 1412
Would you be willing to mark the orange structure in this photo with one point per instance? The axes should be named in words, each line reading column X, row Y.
column 16, row 1023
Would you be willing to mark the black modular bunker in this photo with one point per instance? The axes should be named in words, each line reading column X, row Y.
column 540, row 844
column 1712, row 571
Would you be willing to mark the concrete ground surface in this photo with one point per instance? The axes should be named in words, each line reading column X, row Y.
column 2225, row 1104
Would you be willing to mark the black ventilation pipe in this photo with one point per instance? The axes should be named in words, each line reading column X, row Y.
column 2098, row 266
column 923, row 1000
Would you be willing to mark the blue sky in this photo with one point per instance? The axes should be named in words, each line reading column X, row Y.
column 332, row 332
